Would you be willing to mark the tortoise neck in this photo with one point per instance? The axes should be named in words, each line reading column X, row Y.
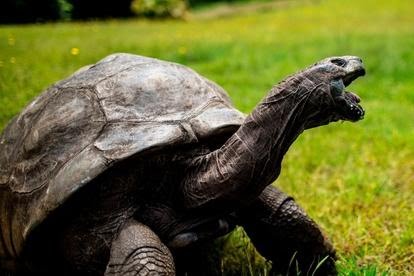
column 270, row 130
column 251, row 159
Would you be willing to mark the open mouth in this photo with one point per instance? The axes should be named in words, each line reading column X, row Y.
column 349, row 78
column 348, row 102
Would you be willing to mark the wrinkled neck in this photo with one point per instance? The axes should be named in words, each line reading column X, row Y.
column 251, row 159
column 276, row 122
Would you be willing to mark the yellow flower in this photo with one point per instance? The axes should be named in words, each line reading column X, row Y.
column 13, row 60
column 74, row 51
column 11, row 41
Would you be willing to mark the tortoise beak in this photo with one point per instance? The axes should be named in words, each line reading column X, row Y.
column 354, row 69
column 348, row 106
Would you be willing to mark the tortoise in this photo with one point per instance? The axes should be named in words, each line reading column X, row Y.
column 132, row 165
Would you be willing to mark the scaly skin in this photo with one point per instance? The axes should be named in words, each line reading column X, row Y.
column 283, row 233
column 279, row 229
column 138, row 251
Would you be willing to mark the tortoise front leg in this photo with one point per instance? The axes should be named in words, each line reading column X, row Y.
column 283, row 233
column 138, row 251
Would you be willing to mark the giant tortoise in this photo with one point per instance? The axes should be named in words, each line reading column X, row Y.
column 130, row 163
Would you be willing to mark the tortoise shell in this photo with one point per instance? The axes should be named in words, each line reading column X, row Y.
column 123, row 105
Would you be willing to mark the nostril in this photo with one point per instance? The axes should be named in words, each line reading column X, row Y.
column 338, row 61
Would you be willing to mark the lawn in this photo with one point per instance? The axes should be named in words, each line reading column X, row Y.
column 356, row 180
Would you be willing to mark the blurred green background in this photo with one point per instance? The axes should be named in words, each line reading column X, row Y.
column 356, row 180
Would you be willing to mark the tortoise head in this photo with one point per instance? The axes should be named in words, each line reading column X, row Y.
column 338, row 73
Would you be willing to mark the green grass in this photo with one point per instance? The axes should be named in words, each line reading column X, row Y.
column 356, row 180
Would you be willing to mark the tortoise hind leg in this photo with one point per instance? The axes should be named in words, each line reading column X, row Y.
column 137, row 250
column 283, row 233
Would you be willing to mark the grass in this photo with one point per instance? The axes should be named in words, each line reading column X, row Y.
column 356, row 180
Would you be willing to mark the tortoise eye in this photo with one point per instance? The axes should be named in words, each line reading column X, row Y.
column 339, row 61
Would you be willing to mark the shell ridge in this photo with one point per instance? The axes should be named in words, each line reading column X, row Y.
column 200, row 109
column 101, row 108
